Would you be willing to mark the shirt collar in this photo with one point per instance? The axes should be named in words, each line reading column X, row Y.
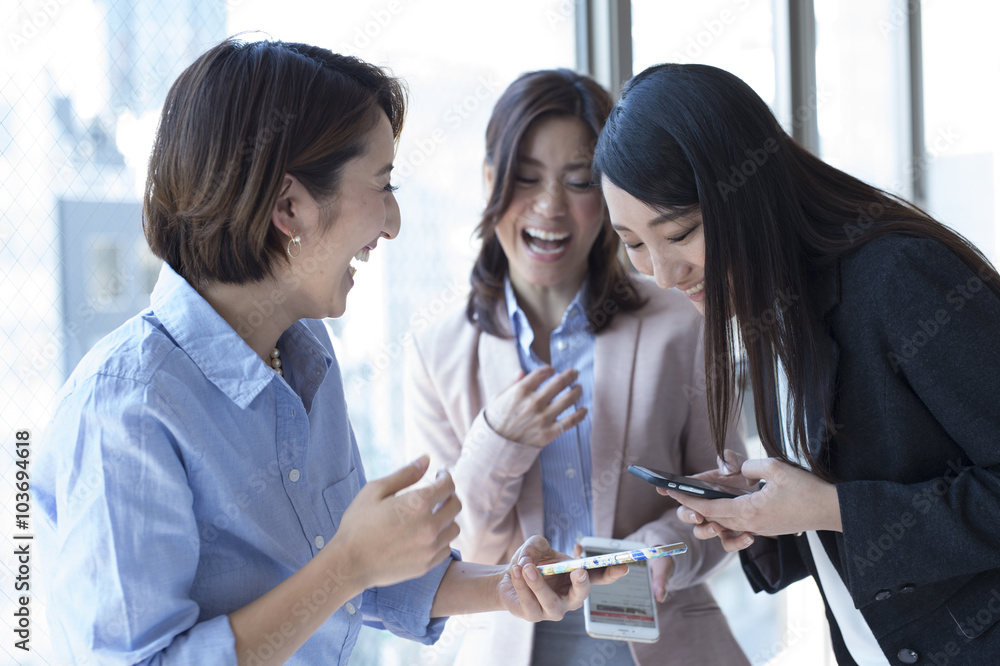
column 574, row 320
column 218, row 351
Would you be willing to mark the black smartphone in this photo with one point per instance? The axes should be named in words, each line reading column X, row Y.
column 686, row 484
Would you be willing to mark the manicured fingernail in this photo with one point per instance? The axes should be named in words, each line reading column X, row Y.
column 711, row 529
column 747, row 540
column 530, row 572
column 580, row 575
column 515, row 571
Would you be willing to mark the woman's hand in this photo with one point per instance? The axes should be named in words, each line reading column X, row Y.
column 391, row 536
column 527, row 414
column 527, row 594
column 728, row 473
column 792, row 501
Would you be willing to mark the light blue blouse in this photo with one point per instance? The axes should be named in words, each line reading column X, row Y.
column 565, row 462
column 181, row 479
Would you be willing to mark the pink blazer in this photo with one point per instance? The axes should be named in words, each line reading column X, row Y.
column 649, row 408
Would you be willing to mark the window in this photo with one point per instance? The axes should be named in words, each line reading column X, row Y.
column 736, row 35
column 960, row 128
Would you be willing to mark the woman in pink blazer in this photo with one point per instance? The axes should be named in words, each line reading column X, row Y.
column 560, row 372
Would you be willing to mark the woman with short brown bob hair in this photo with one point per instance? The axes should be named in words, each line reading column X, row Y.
column 203, row 498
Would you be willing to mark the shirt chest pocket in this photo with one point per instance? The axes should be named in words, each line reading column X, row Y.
column 339, row 496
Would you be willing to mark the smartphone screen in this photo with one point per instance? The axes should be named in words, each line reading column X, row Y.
column 623, row 610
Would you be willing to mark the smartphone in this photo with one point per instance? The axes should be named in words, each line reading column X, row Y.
column 686, row 484
column 613, row 557
column 624, row 610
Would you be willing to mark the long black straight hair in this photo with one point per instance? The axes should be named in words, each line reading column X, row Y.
column 689, row 137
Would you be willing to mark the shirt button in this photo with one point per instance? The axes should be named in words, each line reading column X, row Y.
column 349, row 607
column 319, row 541
column 882, row 595
column 907, row 656
column 907, row 588
column 294, row 475
column 570, row 473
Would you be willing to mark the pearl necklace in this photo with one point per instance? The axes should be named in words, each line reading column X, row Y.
column 276, row 362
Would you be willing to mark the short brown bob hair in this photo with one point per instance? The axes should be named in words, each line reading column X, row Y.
column 532, row 96
column 235, row 121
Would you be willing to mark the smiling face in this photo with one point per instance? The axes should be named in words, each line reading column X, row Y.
column 555, row 212
column 363, row 211
column 669, row 248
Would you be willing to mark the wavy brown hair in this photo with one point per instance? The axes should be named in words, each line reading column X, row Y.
column 545, row 93
column 235, row 121
column 775, row 217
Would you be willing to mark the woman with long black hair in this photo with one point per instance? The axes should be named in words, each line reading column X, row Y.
column 870, row 334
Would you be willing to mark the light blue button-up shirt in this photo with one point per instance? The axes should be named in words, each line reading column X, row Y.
column 182, row 478
column 566, row 464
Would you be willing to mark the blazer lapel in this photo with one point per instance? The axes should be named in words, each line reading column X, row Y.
column 498, row 367
column 614, row 366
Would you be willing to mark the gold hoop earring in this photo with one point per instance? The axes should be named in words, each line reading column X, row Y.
column 295, row 240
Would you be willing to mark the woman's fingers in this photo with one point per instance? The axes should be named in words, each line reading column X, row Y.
column 607, row 575
column 569, row 398
column 731, row 463
column 530, row 606
column 732, row 541
column 687, row 515
column 536, row 378
column 559, row 383
column 569, row 422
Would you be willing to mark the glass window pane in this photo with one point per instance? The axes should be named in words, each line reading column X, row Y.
column 861, row 92
column 960, row 118
column 736, row 35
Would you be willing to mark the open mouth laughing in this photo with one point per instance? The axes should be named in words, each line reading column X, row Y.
column 545, row 243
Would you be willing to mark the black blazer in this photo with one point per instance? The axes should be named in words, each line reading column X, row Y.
column 915, row 446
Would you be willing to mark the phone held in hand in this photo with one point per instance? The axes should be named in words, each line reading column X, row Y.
column 624, row 610
column 686, row 484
